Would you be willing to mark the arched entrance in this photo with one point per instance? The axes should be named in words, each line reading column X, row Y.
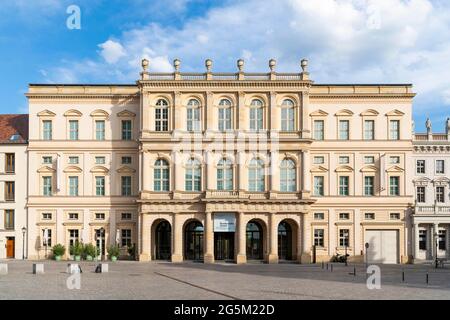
column 284, row 241
column 163, row 241
column 255, row 246
column 193, row 241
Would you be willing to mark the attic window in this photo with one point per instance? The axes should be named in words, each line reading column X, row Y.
column 15, row 137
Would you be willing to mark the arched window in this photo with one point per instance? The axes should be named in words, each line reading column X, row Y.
column 193, row 115
column 287, row 175
column 225, row 116
column 193, row 175
column 161, row 175
column 256, row 115
column 225, row 175
column 162, row 115
column 256, row 175
column 287, row 115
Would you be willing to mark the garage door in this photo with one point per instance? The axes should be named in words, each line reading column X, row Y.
column 383, row 246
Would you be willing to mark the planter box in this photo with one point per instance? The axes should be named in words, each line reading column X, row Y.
column 38, row 268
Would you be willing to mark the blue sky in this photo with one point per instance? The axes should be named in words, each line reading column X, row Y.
column 346, row 41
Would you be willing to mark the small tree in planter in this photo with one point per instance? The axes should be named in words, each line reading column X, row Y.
column 132, row 251
column 58, row 251
column 90, row 251
column 113, row 252
column 76, row 250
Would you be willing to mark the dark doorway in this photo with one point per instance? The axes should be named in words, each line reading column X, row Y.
column 284, row 241
column 101, row 237
column 163, row 241
column 10, row 247
column 254, row 241
column 193, row 241
column 224, row 246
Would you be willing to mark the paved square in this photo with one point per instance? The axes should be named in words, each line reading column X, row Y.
column 160, row 280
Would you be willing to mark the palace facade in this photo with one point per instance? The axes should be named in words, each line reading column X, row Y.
column 223, row 167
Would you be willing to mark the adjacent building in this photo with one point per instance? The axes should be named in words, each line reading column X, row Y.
column 13, row 183
column 223, row 167
column 431, row 219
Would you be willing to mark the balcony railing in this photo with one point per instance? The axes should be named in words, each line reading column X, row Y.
column 431, row 137
column 223, row 76
column 437, row 209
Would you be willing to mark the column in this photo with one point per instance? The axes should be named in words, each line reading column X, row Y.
column 144, row 237
column 177, row 168
column 306, row 130
column 434, row 238
column 306, row 249
column 306, row 167
column 242, row 237
column 209, row 238
column 274, row 174
column 241, row 170
column 209, row 118
column 178, row 112
column 273, row 237
column 144, row 172
column 300, row 233
column 210, row 169
column 273, row 123
column 416, row 242
column 177, row 234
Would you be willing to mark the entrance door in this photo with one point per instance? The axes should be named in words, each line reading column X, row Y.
column 284, row 241
column 163, row 241
column 254, row 241
column 224, row 245
column 193, row 241
column 99, row 237
column 10, row 247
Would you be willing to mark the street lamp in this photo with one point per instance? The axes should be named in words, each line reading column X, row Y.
column 24, row 230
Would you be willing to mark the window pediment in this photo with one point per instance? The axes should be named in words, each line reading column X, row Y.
column 126, row 169
column 318, row 113
column 99, row 169
column 46, row 113
column 369, row 112
column 441, row 182
column 72, row 113
column 344, row 112
column 73, row 169
column 99, row 114
column 394, row 169
column 395, row 112
column 369, row 169
column 319, row 169
column 344, row 169
column 126, row 113
column 46, row 169
column 421, row 181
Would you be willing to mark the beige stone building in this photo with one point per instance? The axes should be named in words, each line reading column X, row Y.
column 223, row 166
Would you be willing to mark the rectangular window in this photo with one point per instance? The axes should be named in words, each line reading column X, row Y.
column 394, row 186
column 343, row 185
column 9, row 219
column 319, row 160
column 224, row 119
column 369, row 185
column 442, row 239
column 99, row 160
column 423, row 239
column 394, row 216
column 73, row 160
column 369, row 160
column 126, row 186
column 46, row 216
column 99, row 216
column 99, row 129
column 99, row 186
column 344, row 216
column 47, row 160
column 126, row 237
column 73, row 216
column 193, row 119
column 369, row 130
column 394, row 160
column 126, row 216
column 256, row 119
column 73, row 237
column 10, row 163
column 73, row 186
column 319, row 216
column 126, row 160
column 9, row 190
column 344, row 129
column 440, row 196
column 344, row 237
column 344, row 160
column 439, row 166
column 47, row 185
column 287, row 119
column 47, row 130
column 394, row 129
column 318, row 130
column 162, row 119
column 319, row 237
column 47, row 243
column 318, row 186
column 73, row 129
column 420, row 194
column 369, row 216
column 126, row 129
column 420, row 166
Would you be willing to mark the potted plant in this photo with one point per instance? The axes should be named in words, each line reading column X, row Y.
column 113, row 252
column 76, row 250
column 132, row 251
column 89, row 252
column 58, row 251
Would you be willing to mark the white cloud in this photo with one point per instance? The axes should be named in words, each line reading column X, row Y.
column 112, row 51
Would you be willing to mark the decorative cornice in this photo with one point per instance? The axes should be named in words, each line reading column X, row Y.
column 225, row 84
column 81, row 96
column 362, row 95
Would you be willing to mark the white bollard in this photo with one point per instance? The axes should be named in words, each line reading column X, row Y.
column 102, row 268
column 3, row 268
column 38, row 268
column 73, row 268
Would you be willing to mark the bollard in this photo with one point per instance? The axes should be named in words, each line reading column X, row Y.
column 322, row 265
column 102, row 268
column 331, row 267
column 38, row 268
column 73, row 268
column 354, row 271
column 327, row 266
column 427, row 278
column 3, row 268
column 403, row 275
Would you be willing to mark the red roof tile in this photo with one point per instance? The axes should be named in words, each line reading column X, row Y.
column 11, row 124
